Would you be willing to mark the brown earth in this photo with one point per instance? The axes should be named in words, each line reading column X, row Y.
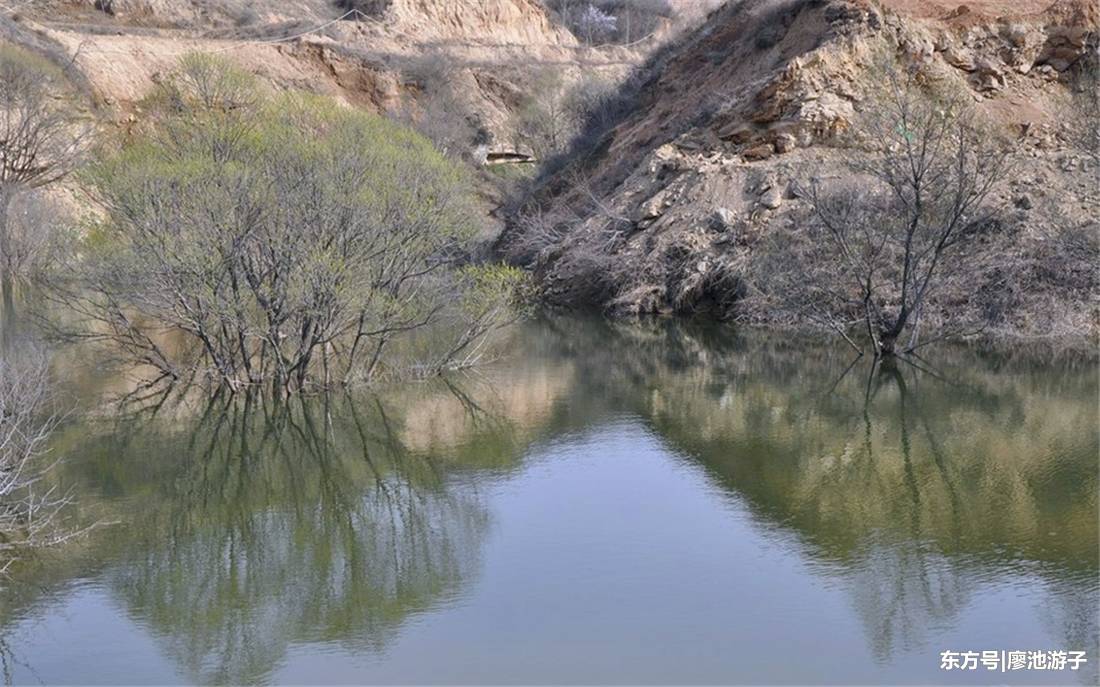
column 664, row 213
column 724, row 120
column 489, row 49
column 459, row 70
column 465, row 66
column 940, row 9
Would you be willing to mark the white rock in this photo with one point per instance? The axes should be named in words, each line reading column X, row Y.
column 772, row 198
column 723, row 219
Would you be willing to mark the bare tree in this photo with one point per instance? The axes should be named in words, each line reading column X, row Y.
column 492, row 297
column 443, row 115
column 558, row 109
column 28, row 508
column 40, row 235
column 40, row 142
column 639, row 19
column 545, row 120
column 881, row 243
column 595, row 25
column 1082, row 118
column 620, row 21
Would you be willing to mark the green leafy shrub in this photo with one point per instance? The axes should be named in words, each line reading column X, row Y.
column 277, row 238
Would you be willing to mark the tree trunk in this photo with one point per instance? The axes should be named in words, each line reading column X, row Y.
column 888, row 337
column 887, row 344
column 7, row 279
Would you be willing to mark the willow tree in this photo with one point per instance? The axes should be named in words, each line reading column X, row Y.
column 257, row 239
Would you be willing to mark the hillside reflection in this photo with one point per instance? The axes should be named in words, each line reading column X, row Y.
column 252, row 526
column 911, row 485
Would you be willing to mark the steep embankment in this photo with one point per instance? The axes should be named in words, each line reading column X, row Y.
column 488, row 21
column 391, row 56
column 518, row 22
column 666, row 211
column 459, row 70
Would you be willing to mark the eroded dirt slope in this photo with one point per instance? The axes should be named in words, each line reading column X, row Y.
column 379, row 58
column 665, row 213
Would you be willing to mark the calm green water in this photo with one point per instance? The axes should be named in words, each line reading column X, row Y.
column 610, row 504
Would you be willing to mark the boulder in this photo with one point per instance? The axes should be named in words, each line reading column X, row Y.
column 772, row 197
column 1018, row 35
column 761, row 151
column 736, row 132
column 654, row 207
column 785, row 143
column 722, row 219
column 990, row 75
column 1064, row 48
column 959, row 58
column 825, row 116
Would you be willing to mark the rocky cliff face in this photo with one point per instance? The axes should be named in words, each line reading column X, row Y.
column 666, row 211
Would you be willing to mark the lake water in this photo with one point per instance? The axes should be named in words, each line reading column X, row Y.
column 608, row 504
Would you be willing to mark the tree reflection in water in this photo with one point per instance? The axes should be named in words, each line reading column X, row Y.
column 255, row 525
column 912, row 484
column 288, row 522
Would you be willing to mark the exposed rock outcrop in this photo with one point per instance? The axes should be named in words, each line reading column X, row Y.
column 741, row 114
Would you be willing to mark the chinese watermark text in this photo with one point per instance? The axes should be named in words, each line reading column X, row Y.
column 1003, row 661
